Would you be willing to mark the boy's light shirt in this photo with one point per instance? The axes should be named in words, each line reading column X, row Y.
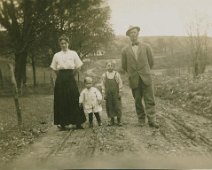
column 90, row 99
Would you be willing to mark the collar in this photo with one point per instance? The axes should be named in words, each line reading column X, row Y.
column 135, row 43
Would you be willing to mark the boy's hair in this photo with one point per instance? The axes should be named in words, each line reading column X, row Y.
column 112, row 62
column 88, row 80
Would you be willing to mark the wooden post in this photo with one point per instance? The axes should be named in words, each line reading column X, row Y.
column 33, row 69
column 15, row 91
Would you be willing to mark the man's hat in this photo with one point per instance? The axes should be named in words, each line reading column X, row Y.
column 132, row 27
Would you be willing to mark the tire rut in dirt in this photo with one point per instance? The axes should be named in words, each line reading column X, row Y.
column 61, row 145
column 178, row 125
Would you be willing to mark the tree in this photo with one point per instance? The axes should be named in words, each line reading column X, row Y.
column 35, row 24
column 198, row 43
column 24, row 20
column 86, row 22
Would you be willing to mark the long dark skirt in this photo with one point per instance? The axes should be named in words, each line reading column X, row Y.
column 66, row 100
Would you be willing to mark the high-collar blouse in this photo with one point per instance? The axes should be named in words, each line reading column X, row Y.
column 66, row 60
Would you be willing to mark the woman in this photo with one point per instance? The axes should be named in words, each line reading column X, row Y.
column 66, row 94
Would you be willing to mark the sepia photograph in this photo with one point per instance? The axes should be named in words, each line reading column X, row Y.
column 105, row 84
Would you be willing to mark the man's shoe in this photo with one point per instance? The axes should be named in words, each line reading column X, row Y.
column 111, row 124
column 90, row 125
column 119, row 121
column 154, row 125
column 119, row 124
column 142, row 124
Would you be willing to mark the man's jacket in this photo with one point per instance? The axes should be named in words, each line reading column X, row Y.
column 140, row 67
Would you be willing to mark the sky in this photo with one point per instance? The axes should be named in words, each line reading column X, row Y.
column 159, row 17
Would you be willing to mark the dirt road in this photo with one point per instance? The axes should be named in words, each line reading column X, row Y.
column 184, row 140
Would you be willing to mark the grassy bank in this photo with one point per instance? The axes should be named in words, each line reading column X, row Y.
column 37, row 116
column 193, row 94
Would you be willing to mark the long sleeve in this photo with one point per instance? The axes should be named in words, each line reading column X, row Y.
column 77, row 61
column 150, row 56
column 98, row 95
column 103, row 83
column 54, row 63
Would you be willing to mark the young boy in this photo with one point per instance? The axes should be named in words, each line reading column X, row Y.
column 111, row 89
column 91, row 99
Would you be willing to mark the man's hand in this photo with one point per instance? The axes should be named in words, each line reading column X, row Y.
column 120, row 94
column 121, row 71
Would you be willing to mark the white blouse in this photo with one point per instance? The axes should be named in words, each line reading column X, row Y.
column 90, row 99
column 66, row 60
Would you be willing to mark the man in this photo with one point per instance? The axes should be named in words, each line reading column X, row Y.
column 137, row 60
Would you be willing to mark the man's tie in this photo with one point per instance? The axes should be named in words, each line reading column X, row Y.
column 135, row 44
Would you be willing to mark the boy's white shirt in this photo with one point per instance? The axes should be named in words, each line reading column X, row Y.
column 90, row 99
column 111, row 75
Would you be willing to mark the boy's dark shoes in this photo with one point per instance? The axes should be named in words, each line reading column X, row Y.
column 119, row 122
column 90, row 125
column 112, row 122
column 154, row 125
column 141, row 122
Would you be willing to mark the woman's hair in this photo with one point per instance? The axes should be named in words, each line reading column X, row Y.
column 63, row 37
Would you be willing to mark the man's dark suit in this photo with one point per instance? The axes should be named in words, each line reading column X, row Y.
column 140, row 79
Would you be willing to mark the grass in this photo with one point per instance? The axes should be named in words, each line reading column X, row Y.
column 193, row 94
column 37, row 115
column 37, row 103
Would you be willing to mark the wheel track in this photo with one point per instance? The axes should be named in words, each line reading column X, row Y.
column 186, row 130
column 61, row 145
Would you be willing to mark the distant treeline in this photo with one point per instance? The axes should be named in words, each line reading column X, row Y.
column 168, row 50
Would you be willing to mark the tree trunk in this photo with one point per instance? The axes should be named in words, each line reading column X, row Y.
column 199, row 63
column 34, row 70
column 16, row 99
column 20, row 68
